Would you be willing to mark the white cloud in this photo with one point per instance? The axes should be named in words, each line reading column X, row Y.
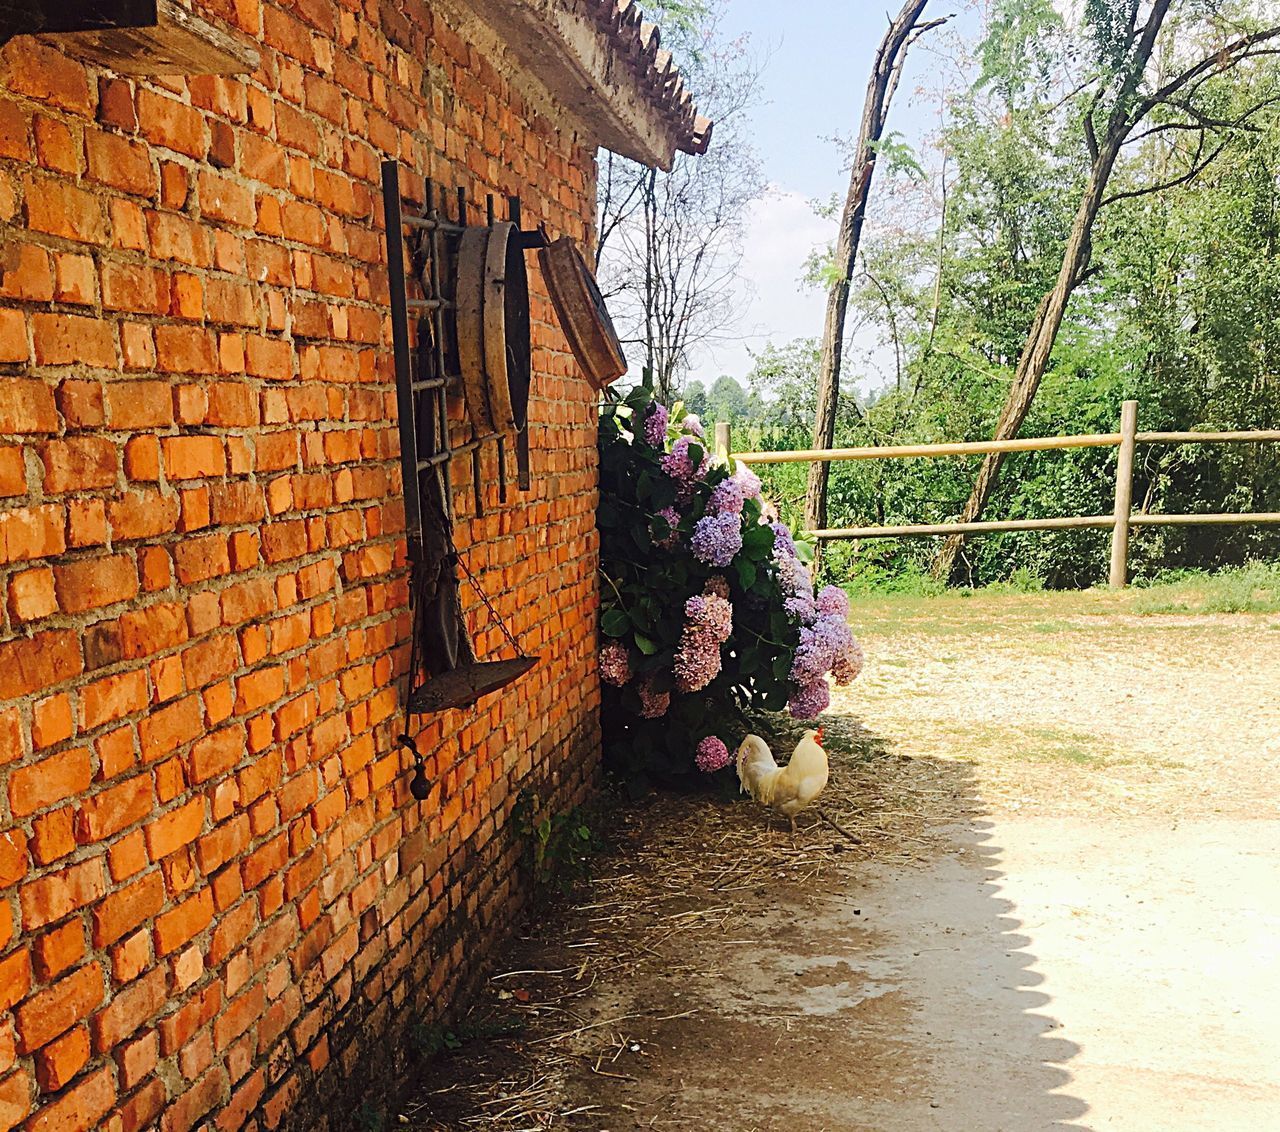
column 781, row 232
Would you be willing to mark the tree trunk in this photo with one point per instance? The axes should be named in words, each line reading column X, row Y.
column 1048, row 319
column 884, row 81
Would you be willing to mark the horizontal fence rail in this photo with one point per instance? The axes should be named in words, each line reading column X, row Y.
column 1119, row 521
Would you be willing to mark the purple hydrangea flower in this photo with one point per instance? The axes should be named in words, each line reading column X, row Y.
column 782, row 540
column 717, row 538
column 712, row 755
column 653, row 704
column 832, row 599
column 615, row 664
column 655, row 425
column 727, row 497
column 679, row 465
column 810, row 700
column 672, row 516
column 797, row 589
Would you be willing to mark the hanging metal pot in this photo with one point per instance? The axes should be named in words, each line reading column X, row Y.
column 493, row 328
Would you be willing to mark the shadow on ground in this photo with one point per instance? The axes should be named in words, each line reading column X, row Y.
column 715, row 977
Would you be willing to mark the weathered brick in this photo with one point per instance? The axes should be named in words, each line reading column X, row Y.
column 79, row 1110
column 130, row 1008
column 40, row 785
column 194, row 457
column 56, row 895
column 27, row 406
column 62, row 1059
column 126, row 908
column 90, row 583
column 182, row 924
column 54, row 1011
column 114, row 809
column 176, row 829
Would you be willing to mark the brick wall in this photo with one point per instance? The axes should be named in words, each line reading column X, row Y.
column 218, row 903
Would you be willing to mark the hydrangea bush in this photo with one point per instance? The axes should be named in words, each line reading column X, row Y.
column 708, row 609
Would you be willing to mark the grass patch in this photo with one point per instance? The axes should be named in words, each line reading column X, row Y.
column 1254, row 588
column 1055, row 745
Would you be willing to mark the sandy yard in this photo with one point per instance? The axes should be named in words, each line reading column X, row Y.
column 1064, row 910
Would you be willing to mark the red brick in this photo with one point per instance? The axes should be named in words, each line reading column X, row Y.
column 142, row 458
column 13, row 857
column 54, row 1011
column 65, row 339
column 40, row 785
column 119, row 162
column 170, row 123
column 113, row 698
column 132, row 1007
column 115, row 104
column 26, row 406
column 142, row 514
column 127, row 908
column 91, row 583
column 62, row 1059
column 59, row 894
column 80, row 402
column 47, row 75
column 109, row 812
column 31, row 278
column 15, row 1099
column 14, row 346
column 59, row 950
column 31, row 595
column 15, row 978
column 13, row 471
column 52, row 836
column 182, row 924
column 176, row 829
column 80, row 1110
column 137, row 1058
column 35, row 532
column 63, row 210
column 79, row 463
column 185, row 1112
column 32, row 664
column 15, row 130
column 137, row 288
column 194, row 457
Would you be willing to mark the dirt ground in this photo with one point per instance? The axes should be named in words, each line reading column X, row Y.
column 1063, row 912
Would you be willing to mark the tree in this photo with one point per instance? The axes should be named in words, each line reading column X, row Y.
column 886, row 73
column 1125, row 49
column 670, row 243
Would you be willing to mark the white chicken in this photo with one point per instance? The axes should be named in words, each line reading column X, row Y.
column 787, row 789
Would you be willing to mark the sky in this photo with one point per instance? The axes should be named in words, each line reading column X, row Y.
column 818, row 60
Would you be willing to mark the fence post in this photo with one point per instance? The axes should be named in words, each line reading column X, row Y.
column 722, row 439
column 1124, row 495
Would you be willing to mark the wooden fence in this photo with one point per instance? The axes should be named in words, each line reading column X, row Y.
column 1120, row 520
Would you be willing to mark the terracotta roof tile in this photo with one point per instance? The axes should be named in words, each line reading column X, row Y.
column 639, row 44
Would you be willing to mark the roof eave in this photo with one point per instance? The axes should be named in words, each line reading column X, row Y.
column 606, row 67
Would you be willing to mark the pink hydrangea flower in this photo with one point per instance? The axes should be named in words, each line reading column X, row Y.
column 717, row 584
column 615, row 664
column 712, row 755
column 748, row 481
column 712, row 614
column 653, row 704
column 848, row 664
column 692, row 424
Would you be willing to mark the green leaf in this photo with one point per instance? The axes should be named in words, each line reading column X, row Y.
column 746, row 573
column 646, row 646
column 614, row 623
